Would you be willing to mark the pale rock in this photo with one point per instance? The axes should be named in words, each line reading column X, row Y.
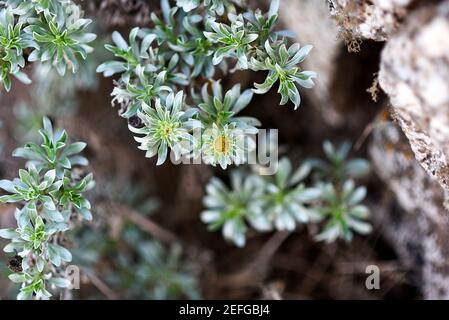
column 414, row 72
column 369, row 19
column 419, row 233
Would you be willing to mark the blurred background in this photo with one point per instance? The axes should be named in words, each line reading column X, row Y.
column 147, row 240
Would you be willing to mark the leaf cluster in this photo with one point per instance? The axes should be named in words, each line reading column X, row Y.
column 49, row 193
column 291, row 197
column 190, row 44
column 49, row 31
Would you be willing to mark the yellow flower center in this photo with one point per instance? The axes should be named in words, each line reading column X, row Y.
column 222, row 144
column 166, row 130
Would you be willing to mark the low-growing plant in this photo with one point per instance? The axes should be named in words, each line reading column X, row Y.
column 341, row 200
column 186, row 45
column 50, row 95
column 169, row 88
column 230, row 209
column 138, row 267
column 317, row 192
column 51, row 32
column 336, row 167
column 128, row 259
column 49, row 194
column 342, row 209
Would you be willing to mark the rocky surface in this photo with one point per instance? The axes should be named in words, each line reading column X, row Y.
column 418, row 230
column 414, row 69
column 368, row 19
column 414, row 72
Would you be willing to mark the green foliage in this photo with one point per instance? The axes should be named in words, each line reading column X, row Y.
column 138, row 267
column 48, row 31
column 165, row 127
column 49, row 194
column 191, row 42
column 219, row 109
column 231, row 208
column 343, row 212
column 213, row 7
column 282, row 66
column 160, row 273
column 341, row 206
column 288, row 198
column 337, row 167
column 53, row 153
column 233, row 41
column 51, row 96
column 130, row 261
column 13, row 40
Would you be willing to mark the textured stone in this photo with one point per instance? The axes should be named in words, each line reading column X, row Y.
column 368, row 19
column 418, row 232
column 414, row 73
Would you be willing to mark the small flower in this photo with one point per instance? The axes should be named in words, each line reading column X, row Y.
column 226, row 145
column 227, row 139
column 166, row 127
column 230, row 209
column 343, row 211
